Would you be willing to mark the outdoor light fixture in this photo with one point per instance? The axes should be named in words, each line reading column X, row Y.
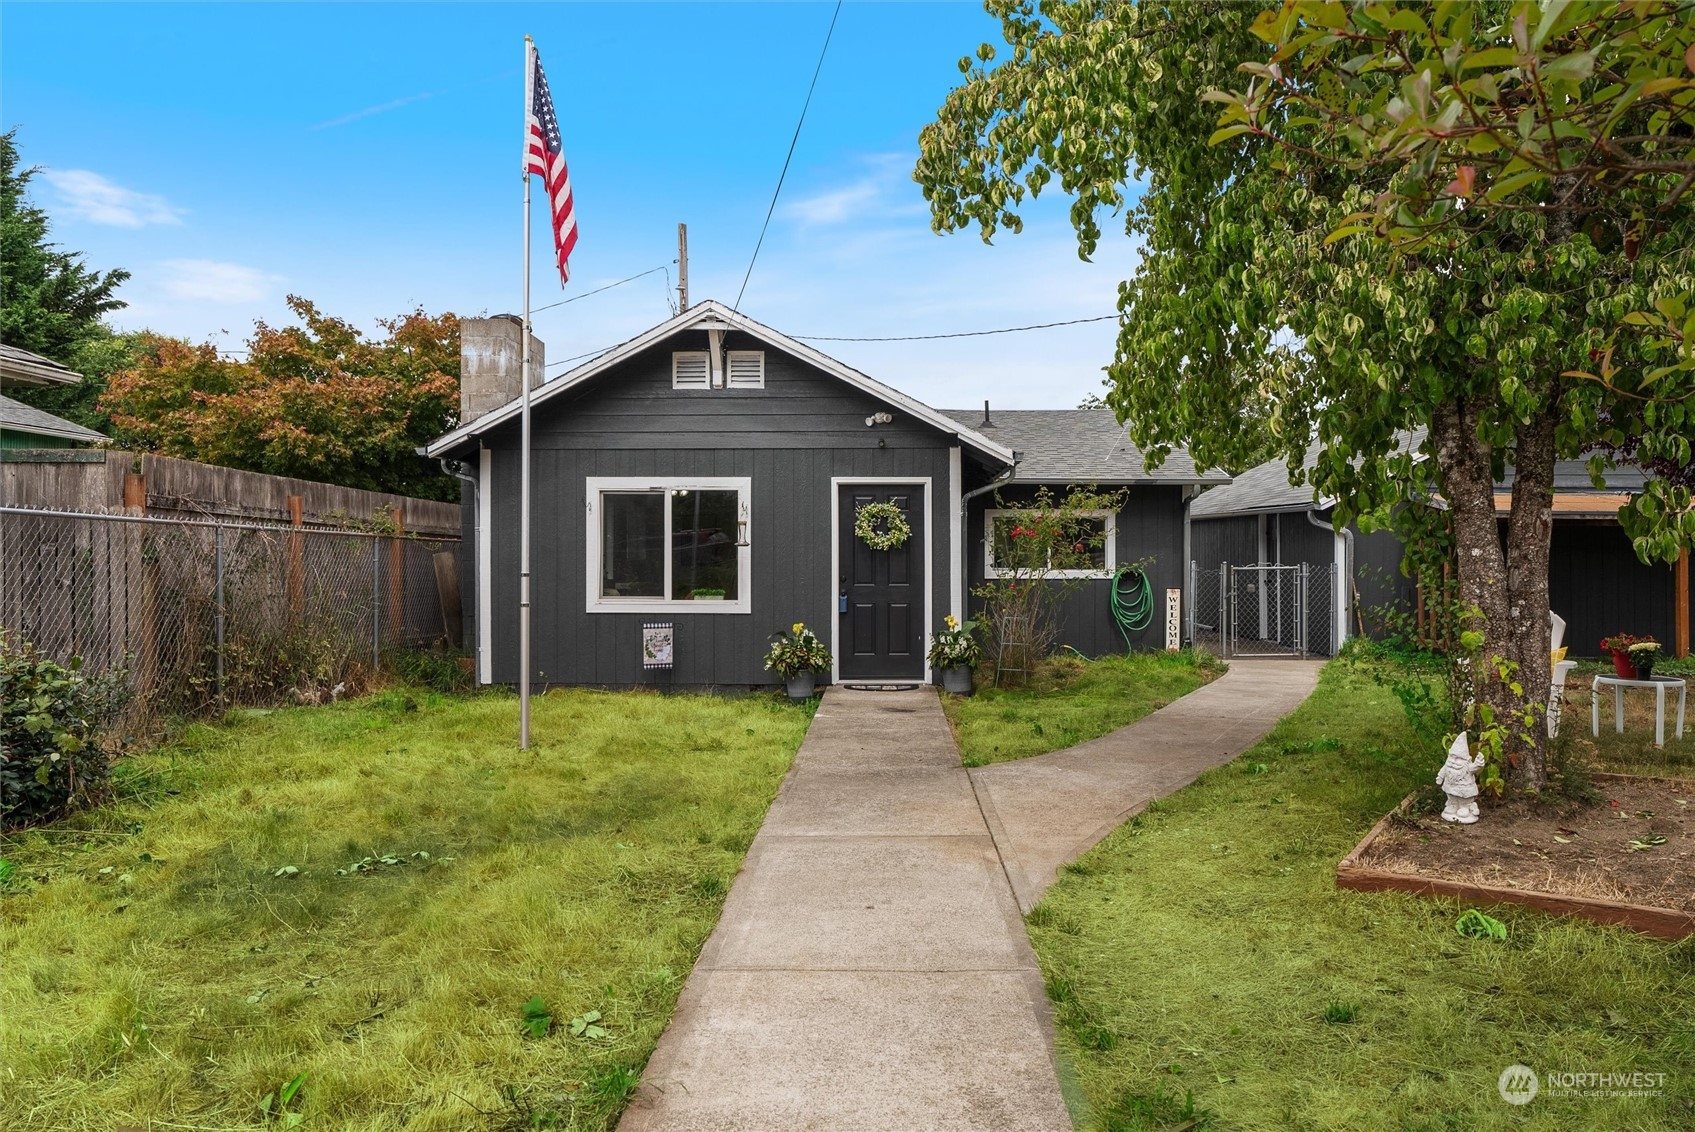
column 741, row 528
column 877, row 419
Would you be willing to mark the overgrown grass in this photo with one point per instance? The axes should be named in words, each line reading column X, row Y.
column 1203, row 966
column 1633, row 752
column 1069, row 701
column 172, row 959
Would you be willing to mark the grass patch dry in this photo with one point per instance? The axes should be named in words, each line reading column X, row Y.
column 1070, row 701
column 173, row 958
column 1203, row 966
column 1633, row 752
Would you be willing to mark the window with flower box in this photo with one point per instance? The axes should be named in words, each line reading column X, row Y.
column 1016, row 546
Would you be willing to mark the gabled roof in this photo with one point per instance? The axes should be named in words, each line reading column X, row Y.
column 20, row 367
column 1079, row 446
column 15, row 416
column 710, row 310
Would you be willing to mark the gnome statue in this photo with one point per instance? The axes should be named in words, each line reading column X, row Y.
column 1458, row 780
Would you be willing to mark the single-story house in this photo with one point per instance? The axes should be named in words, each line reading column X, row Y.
column 24, row 426
column 703, row 478
column 1595, row 580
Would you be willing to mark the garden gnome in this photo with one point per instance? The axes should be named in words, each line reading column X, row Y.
column 1458, row 780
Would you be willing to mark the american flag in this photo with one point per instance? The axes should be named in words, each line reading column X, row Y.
column 544, row 155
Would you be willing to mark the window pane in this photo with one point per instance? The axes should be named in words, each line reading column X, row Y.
column 1084, row 545
column 703, row 544
column 1014, row 547
column 632, row 545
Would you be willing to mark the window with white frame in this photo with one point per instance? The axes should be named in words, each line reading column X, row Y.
column 657, row 545
column 1013, row 546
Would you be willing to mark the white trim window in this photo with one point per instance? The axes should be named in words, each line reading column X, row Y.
column 1001, row 529
column 669, row 545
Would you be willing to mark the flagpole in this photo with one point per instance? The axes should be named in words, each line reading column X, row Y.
column 524, row 442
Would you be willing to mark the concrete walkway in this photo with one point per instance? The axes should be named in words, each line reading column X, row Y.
column 871, row 969
column 1047, row 811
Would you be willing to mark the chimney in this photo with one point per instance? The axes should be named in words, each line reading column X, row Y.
column 489, row 358
column 987, row 423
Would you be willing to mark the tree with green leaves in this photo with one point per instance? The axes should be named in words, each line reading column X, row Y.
column 51, row 303
column 1312, row 242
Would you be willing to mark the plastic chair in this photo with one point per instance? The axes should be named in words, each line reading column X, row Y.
column 1561, row 670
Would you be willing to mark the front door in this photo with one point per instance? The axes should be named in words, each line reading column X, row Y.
column 881, row 595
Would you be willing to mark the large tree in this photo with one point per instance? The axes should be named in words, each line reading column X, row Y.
column 51, row 303
column 320, row 401
column 1481, row 341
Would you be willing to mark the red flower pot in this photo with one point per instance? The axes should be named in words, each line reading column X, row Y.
column 1622, row 665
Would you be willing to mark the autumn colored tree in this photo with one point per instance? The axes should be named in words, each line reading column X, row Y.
column 318, row 400
column 1287, row 169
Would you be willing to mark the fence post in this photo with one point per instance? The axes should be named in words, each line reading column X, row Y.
column 1194, row 597
column 218, row 566
column 1303, row 609
column 1226, row 608
column 396, row 577
column 376, row 601
column 296, row 559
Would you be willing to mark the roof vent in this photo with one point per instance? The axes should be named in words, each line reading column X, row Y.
column 987, row 423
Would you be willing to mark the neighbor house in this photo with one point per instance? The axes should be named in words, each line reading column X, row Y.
column 1595, row 580
column 704, row 477
column 24, row 426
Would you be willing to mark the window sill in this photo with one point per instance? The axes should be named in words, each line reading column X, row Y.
column 660, row 605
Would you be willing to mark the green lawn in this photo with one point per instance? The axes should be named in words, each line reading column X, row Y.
column 1632, row 752
column 1070, row 701
column 1196, row 952
column 175, row 957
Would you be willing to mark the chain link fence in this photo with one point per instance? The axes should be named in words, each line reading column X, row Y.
column 1264, row 609
column 199, row 616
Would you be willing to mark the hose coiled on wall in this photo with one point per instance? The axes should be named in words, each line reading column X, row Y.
column 1132, row 600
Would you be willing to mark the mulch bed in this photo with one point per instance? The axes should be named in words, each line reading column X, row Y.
column 1628, row 859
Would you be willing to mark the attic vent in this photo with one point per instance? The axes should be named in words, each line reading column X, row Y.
column 690, row 370
column 747, row 369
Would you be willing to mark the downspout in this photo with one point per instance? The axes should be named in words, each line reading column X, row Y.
column 1185, row 569
column 965, row 520
column 1346, row 581
column 456, row 469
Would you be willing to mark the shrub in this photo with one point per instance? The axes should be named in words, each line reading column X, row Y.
column 51, row 718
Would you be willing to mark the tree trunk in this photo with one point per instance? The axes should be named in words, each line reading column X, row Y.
column 1508, row 589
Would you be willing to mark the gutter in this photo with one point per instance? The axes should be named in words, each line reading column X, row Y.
column 1347, row 578
column 965, row 499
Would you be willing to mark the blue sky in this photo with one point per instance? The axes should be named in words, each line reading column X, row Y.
column 366, row 156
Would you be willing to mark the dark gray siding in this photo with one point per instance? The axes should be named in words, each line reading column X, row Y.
column 1234, row 539
column 1149, row 526
column 1596, row 582
column 789, row 439
column 1385, row 594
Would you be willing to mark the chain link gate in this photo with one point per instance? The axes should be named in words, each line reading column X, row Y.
column 1264, row 609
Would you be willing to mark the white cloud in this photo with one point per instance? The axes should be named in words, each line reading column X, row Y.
column 836, row 205
column 99, row 201
column 206, row 280
column 370, row 110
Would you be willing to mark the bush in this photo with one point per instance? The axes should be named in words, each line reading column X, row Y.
column 51, row 719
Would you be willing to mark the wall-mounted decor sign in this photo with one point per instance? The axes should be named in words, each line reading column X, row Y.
column 658, row 645
column 1173, row 620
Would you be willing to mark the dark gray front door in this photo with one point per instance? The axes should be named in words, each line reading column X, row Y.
column 882, row 631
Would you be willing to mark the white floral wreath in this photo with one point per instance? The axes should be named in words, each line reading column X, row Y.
column 894, row 531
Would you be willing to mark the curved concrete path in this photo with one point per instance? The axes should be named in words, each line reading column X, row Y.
column 1047, row 811
column 871, row 969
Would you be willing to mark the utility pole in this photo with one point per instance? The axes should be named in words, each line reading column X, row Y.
column 682, row 268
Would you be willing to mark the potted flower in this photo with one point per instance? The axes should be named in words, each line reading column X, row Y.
column 706, row 594
column 1618, row 647
column 1643, row 653
column 798, row 656
column 954, row 652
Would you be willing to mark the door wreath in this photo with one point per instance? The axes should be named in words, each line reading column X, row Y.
column 881, row 526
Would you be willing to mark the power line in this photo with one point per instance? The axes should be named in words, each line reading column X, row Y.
column 579, row 357
column 958, row 334
column 598, row 290
column 792, row 142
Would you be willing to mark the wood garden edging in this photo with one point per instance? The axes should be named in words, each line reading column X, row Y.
column 1661, row 923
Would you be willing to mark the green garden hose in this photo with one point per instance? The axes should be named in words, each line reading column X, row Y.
column 1132, row 601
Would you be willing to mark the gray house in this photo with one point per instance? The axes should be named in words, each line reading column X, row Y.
column 703, row 477
column 1595, row 580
